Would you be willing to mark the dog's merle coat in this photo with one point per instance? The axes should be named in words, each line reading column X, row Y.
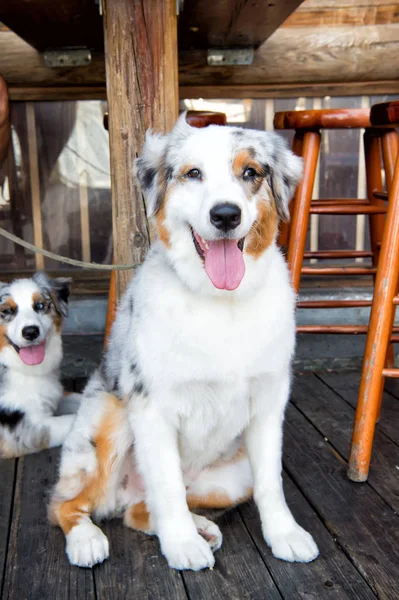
column 31, row 313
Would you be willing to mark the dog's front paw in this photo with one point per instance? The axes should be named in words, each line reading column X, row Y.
column 296, row 545
column 86, row 545
column 192, row 553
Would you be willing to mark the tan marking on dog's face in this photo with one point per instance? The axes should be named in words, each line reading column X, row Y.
column 68, row 514
column 263, row 231
column 160, row 216
column 4, row 342
column 57, row 319
column 245, row 159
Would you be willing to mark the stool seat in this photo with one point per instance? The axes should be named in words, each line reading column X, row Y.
column 335, row 118
column 385, row 114
column 203, row 118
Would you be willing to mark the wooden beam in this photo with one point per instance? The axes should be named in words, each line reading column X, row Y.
column 293, row 90
column 328, row 55
column 356, row 14
column 231, row 23
column 141, row 62
column 22, row 65
column 55, row 24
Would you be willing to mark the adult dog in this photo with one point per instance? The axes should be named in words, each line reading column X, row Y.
column 200, row 356
column 31, row 315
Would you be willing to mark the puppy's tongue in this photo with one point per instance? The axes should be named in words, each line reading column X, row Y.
column 33, row 355
column 224, row 264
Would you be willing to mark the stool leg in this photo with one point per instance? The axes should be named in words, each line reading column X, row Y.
column 390, row 148
column 301, row 207
column 111, row 308
column 377, row 340
column 372, row 157
column 285, row 228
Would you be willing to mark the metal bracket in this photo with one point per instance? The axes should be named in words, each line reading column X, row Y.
column 67, row 57
column 233, row 56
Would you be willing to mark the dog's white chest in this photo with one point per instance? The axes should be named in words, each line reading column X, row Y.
column 211, row 419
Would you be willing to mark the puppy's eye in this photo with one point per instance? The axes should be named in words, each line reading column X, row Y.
column 7, row 312
column 39, row 306
column 194, row 174
column 249, row 173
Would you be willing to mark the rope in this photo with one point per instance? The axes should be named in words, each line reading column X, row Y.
column 63, row 259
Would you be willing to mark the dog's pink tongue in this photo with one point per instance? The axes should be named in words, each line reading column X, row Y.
column 224, row 264
column 33, row 355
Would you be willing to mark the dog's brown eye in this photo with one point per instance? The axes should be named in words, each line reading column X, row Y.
column 249, row 173
column 7, row 312
column 194, row 174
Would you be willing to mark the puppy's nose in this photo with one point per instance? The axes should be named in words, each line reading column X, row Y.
column 31, row 332
column 225, row 216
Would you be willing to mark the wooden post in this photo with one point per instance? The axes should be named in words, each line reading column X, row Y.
column 34, row 183
column 142, row 90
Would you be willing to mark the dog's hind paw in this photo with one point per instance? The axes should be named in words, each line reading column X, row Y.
column 209, row 531
column 295, row 546
column 86, row 545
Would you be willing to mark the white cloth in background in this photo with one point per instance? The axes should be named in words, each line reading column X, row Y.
column 87, row 150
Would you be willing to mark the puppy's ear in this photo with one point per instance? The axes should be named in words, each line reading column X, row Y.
column 148, row 165
column 57, row 289
column 285, row 173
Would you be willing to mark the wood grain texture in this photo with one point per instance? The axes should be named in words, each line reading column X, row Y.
column 333, row 14
column 347, row 386
column 37, row 566
column 136, row 568
column 142, row 92
column 7, row 478
column 231, row 23
column 325, row 54
column 48, row 24
column 239, row 571
column 300, row 61
column 334, row 417
column 22, row 65
column 332, row 575
column 361, row 522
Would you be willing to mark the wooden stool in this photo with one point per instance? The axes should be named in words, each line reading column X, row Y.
column 307, row 126
column 383, row 307
column 195, row 119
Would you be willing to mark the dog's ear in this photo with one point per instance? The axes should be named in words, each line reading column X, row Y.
column 148, row 165
column 57, row 289
column 284, row 173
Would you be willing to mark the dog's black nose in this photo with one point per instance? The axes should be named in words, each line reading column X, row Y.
column 225, row 216
column 31, row 332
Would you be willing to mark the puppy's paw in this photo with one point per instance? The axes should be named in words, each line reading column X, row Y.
column 190, row 553
column 296, row 545
column 86, row 545
column 209, row 531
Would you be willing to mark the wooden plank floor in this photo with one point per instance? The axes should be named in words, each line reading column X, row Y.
column 355, row 525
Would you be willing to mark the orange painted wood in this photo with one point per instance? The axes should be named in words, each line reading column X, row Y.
column 339, row 118
column 341, row 209
column 378, row 338
column 339, row 270
column 301, row 206
column 285, row 227
column 111, row 308
column 391, row 373
column 341, row 329
column 203, row 118
column 336, row 254
column 385, row 113
column 333, row 303
column 372, row 156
